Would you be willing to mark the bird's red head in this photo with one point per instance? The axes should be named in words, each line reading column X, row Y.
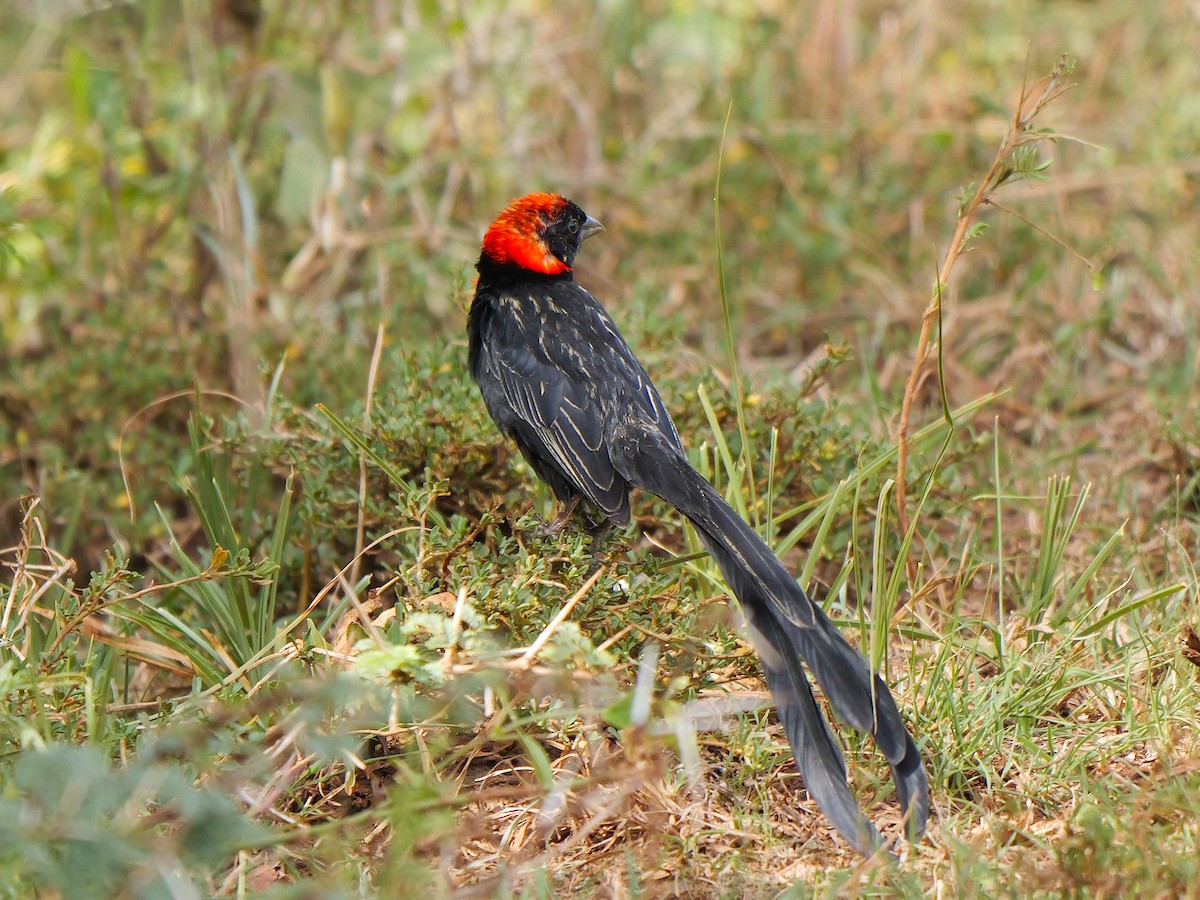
column 539, row 233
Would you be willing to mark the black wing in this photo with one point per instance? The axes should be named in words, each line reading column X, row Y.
column 541, row 376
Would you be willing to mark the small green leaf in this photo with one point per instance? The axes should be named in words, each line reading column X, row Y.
column 539, row 759
column 619, row 714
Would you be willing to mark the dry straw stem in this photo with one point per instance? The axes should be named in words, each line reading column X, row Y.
column 25, row 590
column 1034, row 98
column 548, row 632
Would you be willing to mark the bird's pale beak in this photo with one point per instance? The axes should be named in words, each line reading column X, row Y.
column 590, row 227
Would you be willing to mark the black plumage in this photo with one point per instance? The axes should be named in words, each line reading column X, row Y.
column 558, row 378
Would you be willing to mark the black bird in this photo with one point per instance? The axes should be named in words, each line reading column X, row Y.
column 558, row 378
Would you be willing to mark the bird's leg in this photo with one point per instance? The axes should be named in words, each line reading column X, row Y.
column 562, row 518
column 597, row 531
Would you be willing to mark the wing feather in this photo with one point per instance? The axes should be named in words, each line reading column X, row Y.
column 552, row 380
column 559, row 421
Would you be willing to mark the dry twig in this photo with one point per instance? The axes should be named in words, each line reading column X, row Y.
column 1034, row 99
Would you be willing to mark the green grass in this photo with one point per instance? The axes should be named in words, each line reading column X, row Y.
column 271, row 582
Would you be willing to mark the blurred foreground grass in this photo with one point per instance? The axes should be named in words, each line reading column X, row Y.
column 240, row 656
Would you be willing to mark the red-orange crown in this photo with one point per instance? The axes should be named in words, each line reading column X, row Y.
column 516, row 235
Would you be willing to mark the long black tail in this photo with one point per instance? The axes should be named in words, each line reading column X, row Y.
column 787, row 628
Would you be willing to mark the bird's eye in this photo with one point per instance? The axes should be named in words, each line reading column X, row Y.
column 573, row 226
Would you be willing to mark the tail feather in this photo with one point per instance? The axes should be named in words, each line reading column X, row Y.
column 849, row 684
column 789, row 628
column 912, row 789
column 818, row 754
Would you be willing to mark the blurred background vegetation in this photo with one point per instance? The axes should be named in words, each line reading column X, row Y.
column 215, row 216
